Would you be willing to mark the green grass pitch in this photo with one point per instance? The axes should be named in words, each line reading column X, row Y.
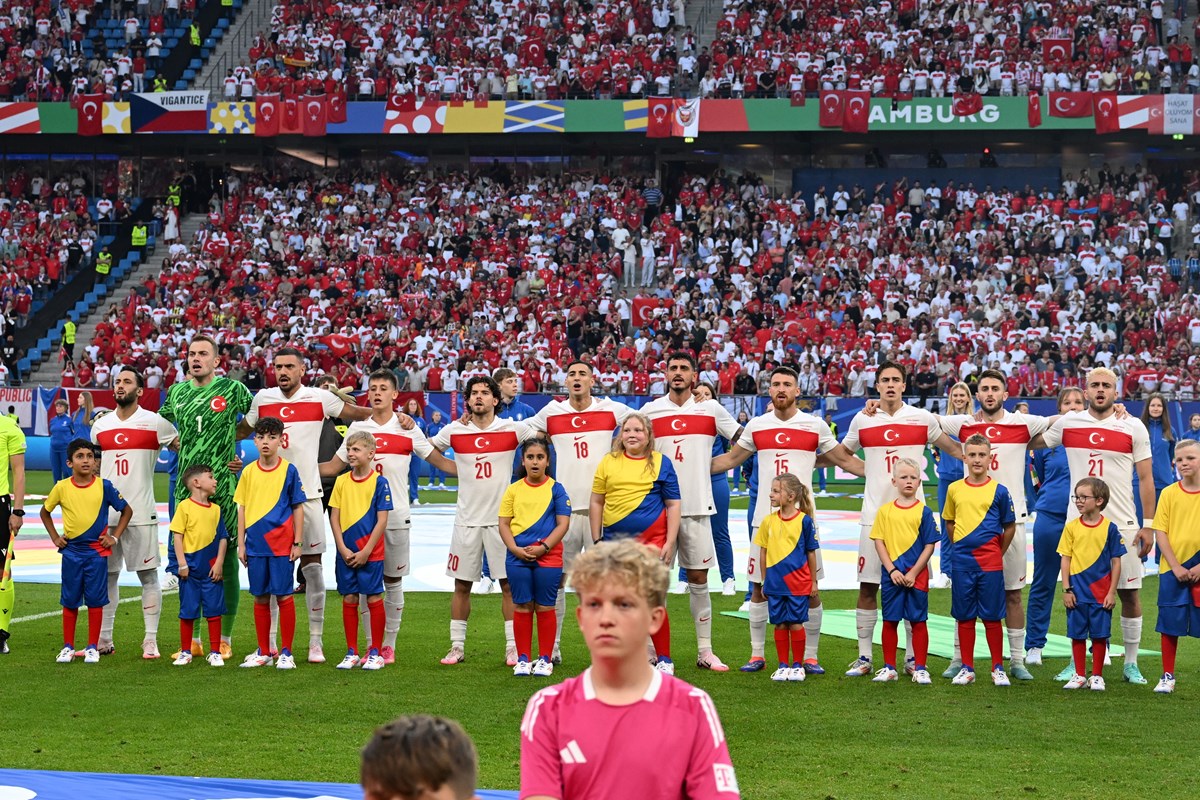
column 830, row 737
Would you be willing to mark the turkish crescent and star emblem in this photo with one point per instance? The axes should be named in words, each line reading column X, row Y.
column 217, row 404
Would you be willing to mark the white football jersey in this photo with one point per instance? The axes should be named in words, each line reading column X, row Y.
column 129, row 452
column 685, row 434
column 485, row 459
column 884, row 440
column 1107, row 449
column 1010, row 437
column 394, row 447
column 784, row 446
column 303, row 416
column 581, row 439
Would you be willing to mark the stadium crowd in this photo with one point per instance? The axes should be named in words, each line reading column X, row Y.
column 947, row 278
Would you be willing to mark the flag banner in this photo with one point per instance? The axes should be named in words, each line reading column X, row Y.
column 169, row 111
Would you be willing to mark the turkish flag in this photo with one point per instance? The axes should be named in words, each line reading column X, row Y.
column 858, row 109
column 340, row 344
column 1070, row 104
column 1057, row 50
column 797, row 98
column 967, row 104
column 401, row 102
column 660, row 113
column 90, row 113
column 1035, row 110
column 643, row 310
column 1107, row 118
column 266, row 115
column 535, row 53
column 337, row 106
column 833, row 110
column 314, row 114
column 291, row 115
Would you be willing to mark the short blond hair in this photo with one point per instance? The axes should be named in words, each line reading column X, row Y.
column 363, row 438
column 628, row 562
column 1101, row 372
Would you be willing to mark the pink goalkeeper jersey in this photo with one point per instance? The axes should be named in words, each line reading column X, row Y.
column 667, row 746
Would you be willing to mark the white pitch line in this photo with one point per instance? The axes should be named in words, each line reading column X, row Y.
column 48, row 614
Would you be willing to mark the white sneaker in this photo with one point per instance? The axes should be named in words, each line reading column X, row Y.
column 884, row 675
column 1107, row 658
column 744, row 607
column 680, row 588
column 215, row 660
column 183, row 659
column 922, row 677
column 150, row 650
column 796, row 674
column 522, row 669
column 729, row 588
column 781, row 674
column 940, row 581
column 316, row 654
column 859, row 667
column 91, row 655
column 455, row 656
column 483, row 587
column 285, row 661
column 542, row 668
column 257, row 659
column 964, row 677
column 169, row 581
column 1077, row 682
column 709, row 660
column 373, row 661
column 1033, row 657
column 665, row 665
column 66, row 655
column 349, row 662
column 1000, row 677
column 1166, row 684
column 1096, row 683
column 511, row 655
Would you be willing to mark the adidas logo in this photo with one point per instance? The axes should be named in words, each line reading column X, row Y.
column 571, row 754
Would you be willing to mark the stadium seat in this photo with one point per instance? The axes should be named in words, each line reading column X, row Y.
column 195, row 64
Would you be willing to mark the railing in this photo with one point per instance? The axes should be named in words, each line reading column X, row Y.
column 235, row 46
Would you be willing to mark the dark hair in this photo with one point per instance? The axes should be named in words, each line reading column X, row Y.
column 412, row 756
column 138, row 378
column 711, row 389
column 384, row 375
column 269, row 426
column 1099, row 489
column 995, row 375
column 194, row 471
column 491, row 385
column 1068, row 390
column 537, row 441
column 204, row 337
column 290, row 351
column 79, row 444
column 892, row 365
column 579, row 361
column 791, row 373
column 503, row 374
column 683, row 355
column 1166, row 416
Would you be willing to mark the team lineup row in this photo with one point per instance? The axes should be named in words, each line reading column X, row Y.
column 1095, row 441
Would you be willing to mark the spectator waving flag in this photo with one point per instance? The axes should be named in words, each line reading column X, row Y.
column 967, row 104
column 1057, row 50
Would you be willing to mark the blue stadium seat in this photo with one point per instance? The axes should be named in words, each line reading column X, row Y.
column 195, row 64
column 170, row 43
column 134, row 258
column 188, row 76
column 24, row 366
column 223, row 23
column 101, row 290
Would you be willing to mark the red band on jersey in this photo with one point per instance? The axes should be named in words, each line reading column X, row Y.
column 392, row 444
column 129, row 439
column 584, row 421
column 786, row 439
column 997, row 434
column 483, row 442
column 1098, row 439
column 293, row 412
column 894, row 436
column 685, row 425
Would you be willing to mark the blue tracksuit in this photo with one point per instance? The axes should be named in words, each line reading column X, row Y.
column 949, row 470
column 432, row 429
column 62, row 431
column 414, row 467
column 720, row 520
column 1053, row 498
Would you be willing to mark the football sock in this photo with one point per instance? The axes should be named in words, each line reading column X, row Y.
column 378, row 620
column 314, row 598
column 758, row 630
column 1079, row 655
column 701, row 606
column 907, row 640
column 797, row 636
column 458, row 633
column 187, row 628
column 350, row 622
column 957, row 645
column 920, row 644
column 1170, row 644
column 393, row 602
column 662, row 639
column 151, row 600
column 1099, row 646
column 110, row 609
column 966, row 638
column 865, row 622
column 509, row 636
column 273, row 604
column 262, row 627
column 214, row 634
column 546, row 621
column 560, row 613
column 812, row 632
column 95, row 619
column 70, row 620
column 364, row 621
column 782, row 642
column 1016, row 645
column 1131, row 630
column 232, row 581
column 891, row 637
column 994, row 631
column 523, row 629
column 287, row 622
